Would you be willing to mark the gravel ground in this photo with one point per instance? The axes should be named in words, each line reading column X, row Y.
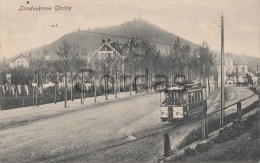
column 126, row 130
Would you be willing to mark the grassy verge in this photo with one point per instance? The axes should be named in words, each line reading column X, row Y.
column 238, row 142
column 213, row 125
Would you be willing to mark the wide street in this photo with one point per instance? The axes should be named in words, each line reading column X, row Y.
column 79, row 132
column 126, row 129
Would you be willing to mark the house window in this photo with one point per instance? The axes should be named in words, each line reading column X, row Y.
column 243, row 70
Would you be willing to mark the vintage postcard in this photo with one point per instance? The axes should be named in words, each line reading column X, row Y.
column 129, row 81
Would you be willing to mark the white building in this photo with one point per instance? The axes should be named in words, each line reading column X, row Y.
column 20, row 61
column 234, row 70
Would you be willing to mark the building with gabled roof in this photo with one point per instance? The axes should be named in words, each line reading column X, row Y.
column 21, row 61
column 106, row 55
column 106, row 60
column 103, row 51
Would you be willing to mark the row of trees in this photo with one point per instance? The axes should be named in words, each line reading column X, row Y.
column 179, row 59
column 137, row 56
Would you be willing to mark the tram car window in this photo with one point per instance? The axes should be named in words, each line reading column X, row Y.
column 189, row 97
column 183, row 98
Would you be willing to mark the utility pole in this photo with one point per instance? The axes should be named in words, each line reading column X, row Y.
column 123, row 69
column 198, row 58
column 4, row 78
column 258, row 73
column 82, row 100
column 37, row 87
column 65, row 93
column 222, row 111
column 4, row 71
column 4, row 63
column 37, row 83
column 237, row 74
column 116, row 84
column 95, row 87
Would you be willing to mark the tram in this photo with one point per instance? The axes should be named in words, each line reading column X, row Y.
column 182, row 100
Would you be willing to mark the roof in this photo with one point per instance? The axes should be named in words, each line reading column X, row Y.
column 105, row 46
column 173, row 88
column 254, row 72
column 218, row 58
column 22, row 55
column 240, row 60
column 181, row 86
column 237, row 60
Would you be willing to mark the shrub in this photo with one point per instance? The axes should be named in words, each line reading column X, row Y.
column 189, row 152
column 254, row 133
column 204, row 146
column 236, row 129
column 193, row 136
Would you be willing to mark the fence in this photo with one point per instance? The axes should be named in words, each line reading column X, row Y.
column 9, row 102
column 210, row 126
column 25, row 101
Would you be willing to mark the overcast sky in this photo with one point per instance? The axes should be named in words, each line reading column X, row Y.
column 196, row 21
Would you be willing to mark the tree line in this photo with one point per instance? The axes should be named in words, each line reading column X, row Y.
column 138, row 56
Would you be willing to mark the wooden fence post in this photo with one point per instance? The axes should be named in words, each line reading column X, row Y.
column 239, row 111
column 167, row 145
column 204, row 127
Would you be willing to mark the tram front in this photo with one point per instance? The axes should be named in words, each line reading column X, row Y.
column 173, row 103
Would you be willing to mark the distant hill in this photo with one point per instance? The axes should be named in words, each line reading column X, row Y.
column 252, row 62
column 88, row 41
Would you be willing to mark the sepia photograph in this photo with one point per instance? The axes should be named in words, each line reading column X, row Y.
column 129, row 81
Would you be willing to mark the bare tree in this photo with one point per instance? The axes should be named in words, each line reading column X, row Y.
column 207, row 67
column 54, row 75
column 64, row 51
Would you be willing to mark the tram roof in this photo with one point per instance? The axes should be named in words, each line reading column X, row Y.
column 173, row 88
column 182, row 86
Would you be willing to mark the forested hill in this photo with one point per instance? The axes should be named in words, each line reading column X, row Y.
column 88, row 41
column 252, row 62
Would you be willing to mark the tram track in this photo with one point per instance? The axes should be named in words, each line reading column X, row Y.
column 90, row 151
column 148, row 133
column 125, row 141
column 117, row 143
